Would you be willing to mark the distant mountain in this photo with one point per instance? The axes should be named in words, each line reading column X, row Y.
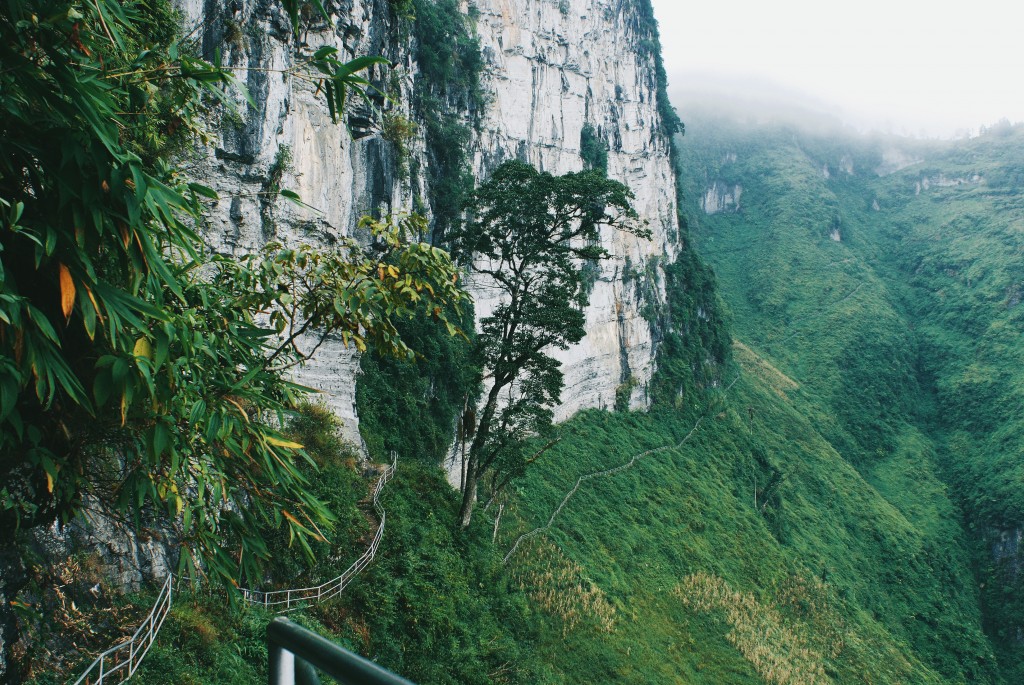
column 886, row 277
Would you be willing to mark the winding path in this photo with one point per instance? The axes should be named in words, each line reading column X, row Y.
column 119, row 663
column 605, row 472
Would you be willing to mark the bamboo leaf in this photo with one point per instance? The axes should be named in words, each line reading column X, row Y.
column 143, row 348
column 278, row 442
column 67, row 292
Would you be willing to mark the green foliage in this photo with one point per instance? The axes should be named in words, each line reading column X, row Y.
column 875, row 583
column 400, row 132
column 437, row 606
column 202, row 641
column 403, row 8
column 526, row 235
column 331, row 478
column 825, row 317
column 434, row 606
column 449, row 89
column 899, row 339
column 957, row 254
column 448, row 56
column 411, row 405
column 593, row 149
column 695, row 340
column 647, row 25
column 133, row 369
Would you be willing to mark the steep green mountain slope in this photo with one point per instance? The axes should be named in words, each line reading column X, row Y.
column 894, row 301
column 746, row 551
column 791, row 524
column 717, row 577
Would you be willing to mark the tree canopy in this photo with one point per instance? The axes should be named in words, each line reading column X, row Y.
column 527, row 236
column 138, row 372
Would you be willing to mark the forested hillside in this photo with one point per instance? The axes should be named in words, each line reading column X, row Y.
column 884, row 276
column 798, row 454
column 785, row 513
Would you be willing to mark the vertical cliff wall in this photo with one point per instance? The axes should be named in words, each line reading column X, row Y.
column 343, row 171
column 550, row 67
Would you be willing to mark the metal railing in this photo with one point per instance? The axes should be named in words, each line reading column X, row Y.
column 289, row 600
column 118, row 663
column 295, row 654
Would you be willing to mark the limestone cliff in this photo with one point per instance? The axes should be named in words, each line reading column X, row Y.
column 550, row 67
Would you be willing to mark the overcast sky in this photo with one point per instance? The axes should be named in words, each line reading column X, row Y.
column 907, row 66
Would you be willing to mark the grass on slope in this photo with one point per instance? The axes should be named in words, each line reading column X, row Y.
column 827, row 559
column 948, row 235
column 827, row 316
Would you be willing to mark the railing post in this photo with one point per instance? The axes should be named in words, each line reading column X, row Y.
column 280, row 665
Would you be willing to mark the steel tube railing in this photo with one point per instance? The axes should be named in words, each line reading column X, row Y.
column 112, row 662
column 295, row 598
column 294, row 652
column 111, row 667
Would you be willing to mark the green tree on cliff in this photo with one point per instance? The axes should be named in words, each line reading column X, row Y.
column 527, row 234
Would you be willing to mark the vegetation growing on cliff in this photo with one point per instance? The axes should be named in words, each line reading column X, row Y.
column 525, row 236
column 448, row 98
column 137, row 376
column 790, row 526
column 891, row 301
column 671, row 124
column 419, row 420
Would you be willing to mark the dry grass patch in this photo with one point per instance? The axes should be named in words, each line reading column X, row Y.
column 756, row 365
column 560, row 587
column 777, row 648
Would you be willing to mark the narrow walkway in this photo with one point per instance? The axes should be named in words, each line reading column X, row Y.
column 288, row 600
column 119, row 663
column 606, row 472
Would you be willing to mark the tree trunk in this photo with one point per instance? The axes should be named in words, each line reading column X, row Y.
column 474, row 467
column 497, row 522
column 468, row 494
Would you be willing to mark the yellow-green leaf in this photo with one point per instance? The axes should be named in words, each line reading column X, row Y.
column 143, row 348
column 278, row 442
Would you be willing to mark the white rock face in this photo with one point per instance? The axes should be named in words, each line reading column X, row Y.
column 341, row 176
column 895, row 159
column 550, row 68
column 942, row 181
column 721, row 197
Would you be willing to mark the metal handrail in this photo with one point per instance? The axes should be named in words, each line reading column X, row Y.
column 291, row 599
column 109, row 667
column 110, row 664
column 295, row 653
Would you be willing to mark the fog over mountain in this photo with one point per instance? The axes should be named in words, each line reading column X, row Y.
column 891, row 67
column 753, row 100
